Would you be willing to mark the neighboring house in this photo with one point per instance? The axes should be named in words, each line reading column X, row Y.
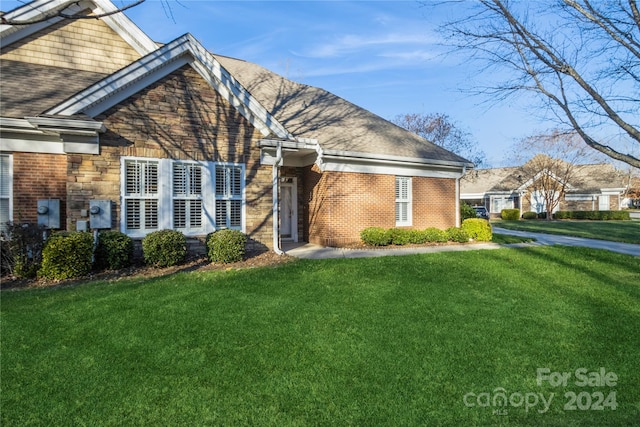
column 591, row 187
column 97, row 115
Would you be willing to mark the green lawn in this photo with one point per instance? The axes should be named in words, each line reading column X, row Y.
column 412, row 340
column 617, row 231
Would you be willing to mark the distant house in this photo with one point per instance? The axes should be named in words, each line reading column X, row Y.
column 591, row 187
column 101, row 127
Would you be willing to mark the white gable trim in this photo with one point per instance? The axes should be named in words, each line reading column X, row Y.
column 118, row 22
column 149, row 69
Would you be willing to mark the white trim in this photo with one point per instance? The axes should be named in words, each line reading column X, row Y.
column 409, row 202
column 10, row 185
column 140, row 74
column 293, row 185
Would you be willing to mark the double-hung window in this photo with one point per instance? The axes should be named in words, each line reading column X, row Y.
column 229, row 196
column 193, row 197
column 6, row 190
column 403, row 201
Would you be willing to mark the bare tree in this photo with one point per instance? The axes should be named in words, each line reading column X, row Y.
column 551, row 165
column 581, row 58
column 440, row 129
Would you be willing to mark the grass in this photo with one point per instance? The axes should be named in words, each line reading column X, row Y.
column 616, row 231
column 379, row 341
column 505, row 239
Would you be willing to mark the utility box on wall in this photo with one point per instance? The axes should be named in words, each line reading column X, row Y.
column 49, row 213
column 100, row 214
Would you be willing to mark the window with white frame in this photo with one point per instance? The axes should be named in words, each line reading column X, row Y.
column 193, row 197
column 403, row 201
column 229, row 195
column 6, row 189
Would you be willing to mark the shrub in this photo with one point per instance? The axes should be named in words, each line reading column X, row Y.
column 477, row 229
column 467, row 211
column 435, row 235
column 417, row 237
column 164, row 248
column 400, row 236
column 113, row 251
column 375, row 236
column 510, row 214
column 594, row 215
column 67, row 255
column 22, row 253
column 226, row 246
column 456, row 234
column 529, row 215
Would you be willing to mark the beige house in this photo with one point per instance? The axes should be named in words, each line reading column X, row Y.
column 101, row 127
column 590, row 188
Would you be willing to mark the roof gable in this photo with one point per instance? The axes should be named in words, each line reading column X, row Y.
column 39, row 9
column 184, row 50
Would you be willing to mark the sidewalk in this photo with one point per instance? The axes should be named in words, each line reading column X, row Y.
column 311, row 251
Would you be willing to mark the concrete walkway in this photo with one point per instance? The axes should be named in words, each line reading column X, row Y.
column 311, row 251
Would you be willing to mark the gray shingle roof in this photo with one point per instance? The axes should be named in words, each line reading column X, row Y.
column 337, row 124
column 29, row 89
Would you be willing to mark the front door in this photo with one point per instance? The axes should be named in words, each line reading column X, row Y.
column 289, row 210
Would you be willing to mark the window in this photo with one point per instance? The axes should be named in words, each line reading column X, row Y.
column 141, row 195
column 6, row 190
column 229, row 185
column 193, row 197
column 403, row 201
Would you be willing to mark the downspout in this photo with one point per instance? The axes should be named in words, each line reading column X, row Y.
column 464, row 172
column 275, row 216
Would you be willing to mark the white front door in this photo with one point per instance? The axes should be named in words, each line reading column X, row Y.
column 603, row 203
column 289, row 210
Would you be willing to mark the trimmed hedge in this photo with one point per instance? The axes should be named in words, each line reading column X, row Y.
column 375, row 236
column 467, row 211
column 400, row 236
column 226, row 246
column 67, row 255
column 435, row 235
column 113, row 251
column 510, row 214
column 457, row 234
column 164, row 248
column 529, row 215
column 594, row 215
column 477, row 229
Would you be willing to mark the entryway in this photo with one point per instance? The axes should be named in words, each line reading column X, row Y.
column 288, row 209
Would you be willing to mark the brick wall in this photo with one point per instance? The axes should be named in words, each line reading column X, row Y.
column 83, row 44
column 37, row 176
column 179, row 117
column 341, row 204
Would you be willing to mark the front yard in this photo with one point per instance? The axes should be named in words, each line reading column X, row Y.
column 432, row 339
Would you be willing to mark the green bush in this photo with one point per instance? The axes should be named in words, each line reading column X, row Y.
column 529, row 215
column 467, row 211
column 226, row 246
column 375, row 236
column 164, row 248
column 417, row 237
column 510, row 214
column 457, row 234
column 435, row 235
column 477, row 229
column 113, row 251
column 400, row 236
column 67, row 255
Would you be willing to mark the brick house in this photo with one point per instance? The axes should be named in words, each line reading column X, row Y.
column 173, row 136
column 592, row 187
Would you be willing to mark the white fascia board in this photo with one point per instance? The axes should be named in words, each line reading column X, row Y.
column 381, row 167
column 11, row 33
column 472, row 195
column 338, row 154
column 124, row 27
column 612, row 191
column 66, row 124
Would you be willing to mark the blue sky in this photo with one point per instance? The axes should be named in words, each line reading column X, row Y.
column 384, row 56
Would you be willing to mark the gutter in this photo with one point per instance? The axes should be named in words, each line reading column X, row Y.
column 275, row 216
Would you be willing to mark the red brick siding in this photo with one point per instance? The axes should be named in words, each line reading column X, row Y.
column 37, row 176
column 341, row 204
